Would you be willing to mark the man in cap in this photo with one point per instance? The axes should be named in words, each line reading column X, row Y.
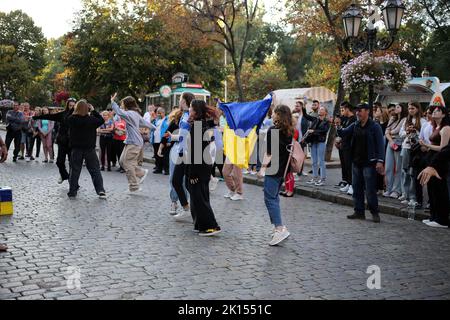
column 367, row 154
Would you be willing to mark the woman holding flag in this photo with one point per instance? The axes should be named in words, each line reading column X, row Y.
column 283, row 129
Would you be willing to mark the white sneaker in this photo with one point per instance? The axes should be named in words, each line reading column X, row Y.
column 426, row 221
column 413, row 203
column 312, row 181
column 173, row 209
column 402, row 198
column 27, row 159
column 394, row 195
column 182, row 215
column 279, row 236
column 144, row 176
column 319, row 183
column 135, row 192
column 229, row 194
column 345, row 189
column 254, row 173
column 60, row 180
column 434, row 224
column 213, row 184
column 386, row 194
column 404, row 201
column 350, row 191
column 237, row 197
column 245, row 171
column 304, row 174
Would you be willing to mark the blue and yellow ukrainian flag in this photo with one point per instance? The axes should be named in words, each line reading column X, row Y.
column 243, row 122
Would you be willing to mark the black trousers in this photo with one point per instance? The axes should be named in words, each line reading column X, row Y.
column 166, row 159
column 106, row 154
column 117, row 149
column 63, row 153
column 345, row 155
column 177, row 182
column 159, row 161
column 201, row 211
column 31, row 141
column 92, row 165
column 438, row 194
column 15, row 136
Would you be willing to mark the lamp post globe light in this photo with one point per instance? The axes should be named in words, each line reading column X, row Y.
column 392, row 12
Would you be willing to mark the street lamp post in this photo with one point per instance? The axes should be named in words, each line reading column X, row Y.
column 392, row 11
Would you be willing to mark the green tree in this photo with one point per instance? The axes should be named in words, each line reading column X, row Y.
column 22, row 47
column 260, row 81
column 128, row 49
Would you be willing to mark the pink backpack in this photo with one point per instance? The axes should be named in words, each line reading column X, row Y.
column 296, row 158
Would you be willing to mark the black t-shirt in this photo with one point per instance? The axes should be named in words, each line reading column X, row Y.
column 346, row 141
column 359, row 149
column 283, row 153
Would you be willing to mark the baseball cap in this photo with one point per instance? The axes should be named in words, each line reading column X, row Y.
column 362, row 106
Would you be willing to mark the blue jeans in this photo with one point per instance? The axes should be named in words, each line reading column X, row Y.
column 393, row 170
column 365, row 180
column 173, row 193
column 318, row 159
column 272, row 186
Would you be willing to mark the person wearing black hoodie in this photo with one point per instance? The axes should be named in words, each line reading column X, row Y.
column 198, row 171
column 82, row 140
column 62, row 138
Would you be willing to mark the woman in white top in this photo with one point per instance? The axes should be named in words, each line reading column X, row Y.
column 410, row 133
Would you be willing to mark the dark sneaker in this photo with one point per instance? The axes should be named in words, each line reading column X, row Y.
column 22, row 158
column 357, row 216
column 102, row 195
column 209, row 232
column 102, row 169
column 72, row 196
column 3, row 247
column 14, row 159
column 376, row 218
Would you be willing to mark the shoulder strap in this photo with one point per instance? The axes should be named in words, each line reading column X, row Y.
column 289, row 160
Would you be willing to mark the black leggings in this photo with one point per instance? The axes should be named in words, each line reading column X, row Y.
column 177, row 182
column 106, row 151
column 201, row 210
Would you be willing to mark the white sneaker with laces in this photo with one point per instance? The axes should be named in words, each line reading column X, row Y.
column 350, row 191
column 394, row 195
column 319, row 183
column 213, row 184
column 345, row 189
column 229, row 194
column 182, row 215
column 402, row 198
column 135, row 192
column 404, row 202
column 426, row 221
column 173, row 208
column 312, row 181
column 434, row 224
column 279, row 236
column 144, row 176
column 237, row 197
column 386, row 194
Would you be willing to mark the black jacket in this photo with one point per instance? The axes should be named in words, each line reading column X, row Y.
column 62, row 137
column 320, row 128
column 83, row 130
column 440, row 161
column 201, row 169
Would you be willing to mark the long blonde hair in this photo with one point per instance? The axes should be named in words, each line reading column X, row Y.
column 81, row 108
column 175, row 115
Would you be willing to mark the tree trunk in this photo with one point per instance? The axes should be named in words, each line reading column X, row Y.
column 332, row 134
column 240, row 90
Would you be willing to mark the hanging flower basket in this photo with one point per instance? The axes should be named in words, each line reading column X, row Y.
column 388, row 70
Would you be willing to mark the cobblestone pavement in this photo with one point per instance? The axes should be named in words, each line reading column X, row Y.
column 130, row 248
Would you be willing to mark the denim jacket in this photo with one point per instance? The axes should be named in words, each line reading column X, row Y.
column 375, row 140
